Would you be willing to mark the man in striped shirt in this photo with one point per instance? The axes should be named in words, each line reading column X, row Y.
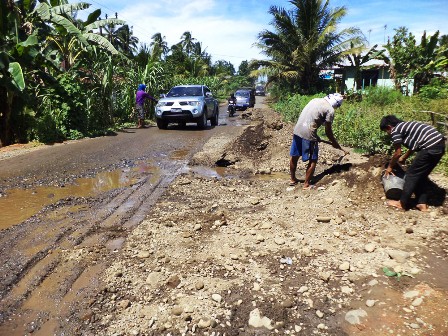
column 430, row 147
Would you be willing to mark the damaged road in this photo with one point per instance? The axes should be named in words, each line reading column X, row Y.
column 226, row 247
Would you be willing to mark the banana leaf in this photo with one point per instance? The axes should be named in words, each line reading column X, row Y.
column 102, row 23
column 101, row 41
column 68, row 8
column 17, row 76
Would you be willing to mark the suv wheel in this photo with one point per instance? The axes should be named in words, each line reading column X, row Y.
column 214, row 120
column 161, row 124
column 202, row 122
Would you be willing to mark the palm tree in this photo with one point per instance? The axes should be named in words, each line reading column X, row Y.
column 305, row 41
column 127, row 42
column 187, row 42
column 159, row 46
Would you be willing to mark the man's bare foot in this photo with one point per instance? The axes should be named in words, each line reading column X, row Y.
column 422, row 207
column 394, row 204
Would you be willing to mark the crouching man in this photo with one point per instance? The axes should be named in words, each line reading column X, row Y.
column 430, row 147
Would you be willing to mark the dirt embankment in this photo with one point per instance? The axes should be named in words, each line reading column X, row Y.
column 240, row 252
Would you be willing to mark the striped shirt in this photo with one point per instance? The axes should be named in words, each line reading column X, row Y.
column 415, row 135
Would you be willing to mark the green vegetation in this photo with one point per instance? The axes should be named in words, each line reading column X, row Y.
column 65, row 78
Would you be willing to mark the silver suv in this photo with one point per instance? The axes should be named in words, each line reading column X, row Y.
column 187, row 103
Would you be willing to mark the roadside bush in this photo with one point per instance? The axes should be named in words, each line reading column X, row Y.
column 291, row 107
column 436, row 89
column 381, row 96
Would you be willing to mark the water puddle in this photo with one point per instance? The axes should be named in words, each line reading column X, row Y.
column 180, row 154
column 20, row 204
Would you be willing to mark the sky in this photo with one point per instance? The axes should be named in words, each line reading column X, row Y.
column 228, row 29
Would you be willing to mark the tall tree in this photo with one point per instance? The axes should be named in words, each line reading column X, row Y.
column 305, row 39
column 187, row 42
column 159, row 47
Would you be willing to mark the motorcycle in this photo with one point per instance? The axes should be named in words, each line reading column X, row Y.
column 231, row 108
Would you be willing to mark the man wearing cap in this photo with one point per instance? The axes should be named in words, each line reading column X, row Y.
column 305, row 139
column 140, row 97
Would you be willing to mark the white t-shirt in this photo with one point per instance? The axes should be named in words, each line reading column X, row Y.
column 314, row 114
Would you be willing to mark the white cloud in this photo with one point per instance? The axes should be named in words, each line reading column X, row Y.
column 221, row 35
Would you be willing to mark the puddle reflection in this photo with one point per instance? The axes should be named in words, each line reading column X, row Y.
column 20, row 204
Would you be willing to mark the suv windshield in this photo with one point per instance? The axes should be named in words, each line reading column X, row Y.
column 181, row 91
column 242, row 94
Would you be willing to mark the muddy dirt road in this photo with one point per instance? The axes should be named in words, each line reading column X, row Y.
column 74, row 196
column 202, row 235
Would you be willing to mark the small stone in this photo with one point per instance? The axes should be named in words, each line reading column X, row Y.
column 409, row 230
column 414, row 326
column 266, row 226
column 370, row 303
column 197, row 227
column 204, row 323
column 323, row 219
column 234, row 256
column 354, row 316
column 123, row 304
column 370, row 247
column 260, row 238
column 417, row 302
column 199, row 285
column 345, row 266
column 288, row 303
column 303, row 289
column 373, row 282
column 411, row 294
column 258, row 321
column 399, row 256
column 143, row 254
column 177, row 310
column 216, row 298
column 173, row 282
column 256, row 286
column 325, row 276
column 319, row 314
column 346, row 290
column 279, row 241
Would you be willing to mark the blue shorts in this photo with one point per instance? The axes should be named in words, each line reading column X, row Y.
column 302, row 147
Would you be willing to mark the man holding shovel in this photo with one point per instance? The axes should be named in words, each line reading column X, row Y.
column 430, row 147
column 305, row 139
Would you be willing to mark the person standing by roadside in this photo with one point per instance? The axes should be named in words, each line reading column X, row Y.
column 305, row 139
column 140, row 97
column 430, row 147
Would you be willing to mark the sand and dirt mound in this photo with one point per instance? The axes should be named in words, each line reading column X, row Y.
column 243, row 253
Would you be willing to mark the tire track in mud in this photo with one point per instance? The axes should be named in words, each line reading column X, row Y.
column 50, row 270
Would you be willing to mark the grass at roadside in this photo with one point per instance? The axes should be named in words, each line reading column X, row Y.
column 357, row 122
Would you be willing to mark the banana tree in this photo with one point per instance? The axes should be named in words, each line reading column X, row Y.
column 12, row 51
column 358, row 55
column 70, row 38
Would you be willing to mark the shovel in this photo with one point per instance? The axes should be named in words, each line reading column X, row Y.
column 338, row 162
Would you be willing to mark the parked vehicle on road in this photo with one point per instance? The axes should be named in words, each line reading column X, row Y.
column 187, row 103
column 259, row 90
column 245, row 98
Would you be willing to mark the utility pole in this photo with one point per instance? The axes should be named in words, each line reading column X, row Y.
column 370, row 30
column 384, row 39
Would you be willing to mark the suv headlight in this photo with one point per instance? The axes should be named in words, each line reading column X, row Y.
column 194, row 103
column 160, row 104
